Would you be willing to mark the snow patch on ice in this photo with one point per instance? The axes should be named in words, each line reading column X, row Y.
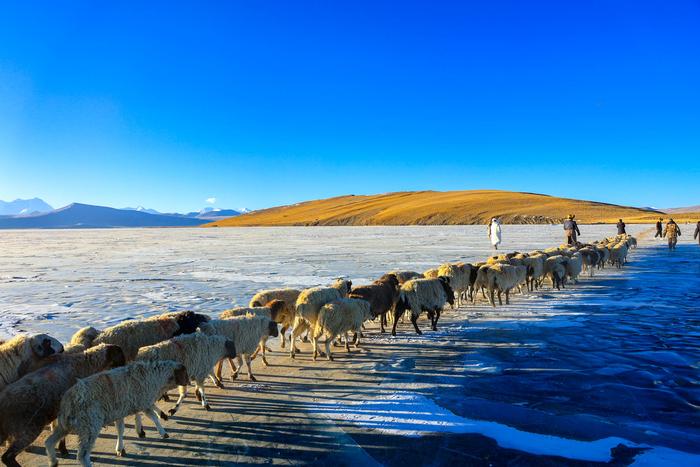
column 410, row 414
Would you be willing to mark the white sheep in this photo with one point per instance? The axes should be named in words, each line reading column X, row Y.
column 109, row 397
column 574, row 266
column 459, row 274
column 618, row 254
column 308, row 305
column 405, row 276
column 502, row 278
column 553, row 251
column 289, row 297
column 82, row 339
column 536, row 263
column 555, row 273
column 246, row 332
column 419, row 295
column 133, row 334
column 431, row 273
column 337, row 319
column 276, row 310
column 22, row 352
column 198, row 352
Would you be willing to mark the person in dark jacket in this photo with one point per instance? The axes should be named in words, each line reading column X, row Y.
column 672, row 231
column 697, row 232
column 571, row 230
column 659, row 228
column 621, row 227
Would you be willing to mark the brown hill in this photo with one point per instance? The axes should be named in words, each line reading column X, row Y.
column 440, row 208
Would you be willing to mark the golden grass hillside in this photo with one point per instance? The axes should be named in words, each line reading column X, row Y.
column 440, row 208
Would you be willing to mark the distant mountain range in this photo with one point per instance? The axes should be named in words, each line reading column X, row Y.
column 77, row 215
column 682, row 210
column 23, row 207
column 207, row 213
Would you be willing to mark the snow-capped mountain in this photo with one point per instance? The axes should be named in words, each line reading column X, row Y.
column 76, row 216
column 24, row 207
column 142, row 209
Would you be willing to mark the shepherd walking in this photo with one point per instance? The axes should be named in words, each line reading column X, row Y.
column 571, row 230
column 659, row 228
column 494, row 229
column 621, row 228
column 672, row 232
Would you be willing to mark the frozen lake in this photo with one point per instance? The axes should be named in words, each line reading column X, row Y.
column 61, row 280
column 572, row 373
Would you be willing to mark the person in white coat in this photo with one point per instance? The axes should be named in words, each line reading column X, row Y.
column 495, row 232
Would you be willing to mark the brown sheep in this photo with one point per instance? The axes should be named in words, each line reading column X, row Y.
column 382, row 295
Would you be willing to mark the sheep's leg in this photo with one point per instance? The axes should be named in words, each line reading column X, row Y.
column 357, row 339
column 120, row 438
column 199, row 386
column 219, row 368
column 138, row 426
column 85, row 444
column 329, row 356
column 347, row 343
column 56, row 435
column 396, row 320
column 62, row 449
column 263, row 348
column 9, row 457
column 414, row 321
column 234, row 370
column 299, row 327
column 437, row 318
column 283, row 336
column 183, row 392
column 152, row 415
column 382, row 323
column 314, row 344
column 507, row 297
column 217, row 382
column 246, row 358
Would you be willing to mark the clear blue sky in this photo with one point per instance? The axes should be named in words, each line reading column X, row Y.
column 262, row 103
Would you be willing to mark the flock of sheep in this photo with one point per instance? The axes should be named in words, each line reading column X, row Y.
column 102, row 377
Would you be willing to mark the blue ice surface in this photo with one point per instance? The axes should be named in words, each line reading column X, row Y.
column 627, row 365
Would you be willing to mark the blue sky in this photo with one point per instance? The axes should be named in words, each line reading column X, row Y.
column 265, row 103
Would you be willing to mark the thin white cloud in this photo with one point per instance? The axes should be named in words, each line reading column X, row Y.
column 211, row 200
